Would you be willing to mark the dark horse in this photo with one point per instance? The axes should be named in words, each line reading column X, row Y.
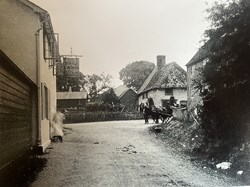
column 151, row 111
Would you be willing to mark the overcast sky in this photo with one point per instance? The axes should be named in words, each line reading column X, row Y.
column 112, row 33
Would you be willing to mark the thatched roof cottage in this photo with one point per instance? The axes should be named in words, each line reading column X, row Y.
column 164, row 81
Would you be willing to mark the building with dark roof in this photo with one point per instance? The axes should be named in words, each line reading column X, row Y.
column 164, row 81
column 126, row 97
column 194, row 68
column 73, row 100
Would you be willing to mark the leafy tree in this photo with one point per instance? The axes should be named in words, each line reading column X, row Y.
column 96, row 84
column 134, row 74
column 226, row 110
column 110, row 97
column 64, row 84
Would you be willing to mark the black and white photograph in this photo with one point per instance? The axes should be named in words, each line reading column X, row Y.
column 124, row 93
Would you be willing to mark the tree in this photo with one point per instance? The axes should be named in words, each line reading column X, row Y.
column 227, row 73
column 134, row 74
column 96, row 84
column 110, row 97
column 64, row 84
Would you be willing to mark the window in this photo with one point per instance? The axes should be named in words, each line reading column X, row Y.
column 51, row 49
column 169, row 91
column 45, row 102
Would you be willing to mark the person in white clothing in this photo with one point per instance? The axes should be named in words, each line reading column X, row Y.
column 57, row 122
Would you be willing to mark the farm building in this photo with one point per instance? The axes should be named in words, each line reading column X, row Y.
column 194, row 73
column 74, row 100
column 127, row 97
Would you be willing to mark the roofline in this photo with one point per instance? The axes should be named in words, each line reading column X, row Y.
column 27, row 2
column 150, row 76
column 123, row 93
column 42, row 13
column 160, row 89
column 12, row 65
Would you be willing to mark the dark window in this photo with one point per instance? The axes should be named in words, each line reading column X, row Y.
column 168, row 91
column 45, row 102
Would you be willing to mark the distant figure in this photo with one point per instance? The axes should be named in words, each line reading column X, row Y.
column 172, row 104
column 57, row 122
column 141, row 108
column 146, row 113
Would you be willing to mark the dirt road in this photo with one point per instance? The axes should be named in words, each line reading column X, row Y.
column 120, row 153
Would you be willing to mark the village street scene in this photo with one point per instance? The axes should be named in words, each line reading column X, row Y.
column 124, row 93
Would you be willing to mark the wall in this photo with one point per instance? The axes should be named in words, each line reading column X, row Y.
column 49, row 80
column 193, row 98
column 18, row 41
column 18, row 35
column 159, row 95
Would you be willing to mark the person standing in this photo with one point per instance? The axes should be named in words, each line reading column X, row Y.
column 57, row 122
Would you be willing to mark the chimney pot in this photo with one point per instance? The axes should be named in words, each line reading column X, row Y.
column 161, row 60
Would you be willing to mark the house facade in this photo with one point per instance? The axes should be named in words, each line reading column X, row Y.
column 29, row 42
column 194, row 73
column 164, row 81
column 127, row 97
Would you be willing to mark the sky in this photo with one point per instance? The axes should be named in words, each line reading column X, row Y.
column 109, row 34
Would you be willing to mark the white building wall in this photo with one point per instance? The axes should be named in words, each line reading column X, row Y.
column 159, row 95
column 17, row 34
column 18, row 40
column 49, row 80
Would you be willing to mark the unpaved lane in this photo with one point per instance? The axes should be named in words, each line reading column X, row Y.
column 120, row 153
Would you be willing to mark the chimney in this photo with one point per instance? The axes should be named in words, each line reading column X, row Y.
column 161, row 60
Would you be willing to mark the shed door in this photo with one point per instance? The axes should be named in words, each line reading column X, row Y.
column 15, row 115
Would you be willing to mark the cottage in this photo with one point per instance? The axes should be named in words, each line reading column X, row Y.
column 76, row 100
column 127, row 97
column 164, row 81
column 29, row 51
column 194, row 72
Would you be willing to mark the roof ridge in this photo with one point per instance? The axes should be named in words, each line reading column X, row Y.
column 158, row 76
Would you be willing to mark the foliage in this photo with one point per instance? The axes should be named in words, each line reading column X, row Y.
column 92, row 107
column 110, row 97
column 64, row 84
column 94, row 83
column 134, row 74
column 227, row 73
column 103, row 107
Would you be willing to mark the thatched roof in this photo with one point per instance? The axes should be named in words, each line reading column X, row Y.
column 121, row 90
column 170, row 75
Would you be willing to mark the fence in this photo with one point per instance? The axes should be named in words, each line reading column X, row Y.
column 79, row 117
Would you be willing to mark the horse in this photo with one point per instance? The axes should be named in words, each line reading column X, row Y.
column 156, row 114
